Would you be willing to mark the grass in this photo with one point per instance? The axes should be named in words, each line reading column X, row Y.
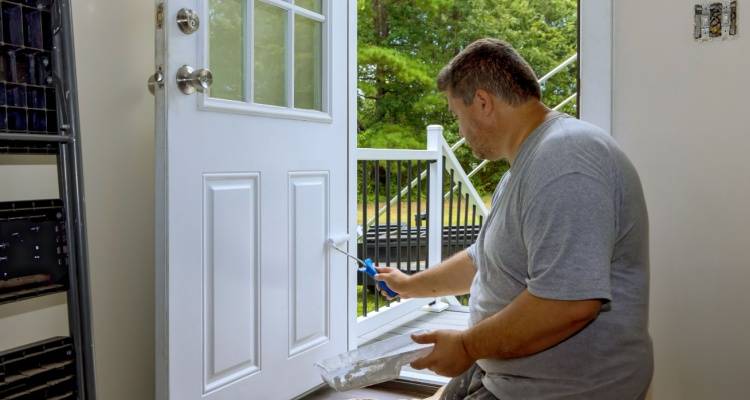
column 458, row 218
column 370, row 301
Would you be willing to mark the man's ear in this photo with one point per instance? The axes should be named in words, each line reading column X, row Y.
column 485, row 101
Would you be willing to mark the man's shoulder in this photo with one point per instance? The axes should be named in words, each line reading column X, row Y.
column 570, row 146
column 569, row 136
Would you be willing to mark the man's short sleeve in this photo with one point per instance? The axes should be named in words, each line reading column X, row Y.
column 472, row 252
column 569, row 233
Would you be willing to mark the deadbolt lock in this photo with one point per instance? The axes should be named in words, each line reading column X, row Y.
column 189, row 80
column 188, row 21
column 156, row 81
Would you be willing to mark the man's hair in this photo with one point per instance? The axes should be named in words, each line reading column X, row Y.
column 494, row 66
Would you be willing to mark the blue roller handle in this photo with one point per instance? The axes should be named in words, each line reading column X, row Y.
column 370, row 269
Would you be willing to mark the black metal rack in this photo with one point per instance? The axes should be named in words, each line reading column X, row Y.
column 43, row 242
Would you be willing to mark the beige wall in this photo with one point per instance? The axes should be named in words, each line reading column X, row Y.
column 681, row 113
column 115, row 54
column 115, row 51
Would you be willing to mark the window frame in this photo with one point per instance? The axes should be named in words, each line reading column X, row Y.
column 207, row 103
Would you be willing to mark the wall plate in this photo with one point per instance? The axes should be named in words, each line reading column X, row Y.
column 715, row 20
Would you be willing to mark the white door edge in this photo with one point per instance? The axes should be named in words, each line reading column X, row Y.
column 595, row 61
column 352, row 214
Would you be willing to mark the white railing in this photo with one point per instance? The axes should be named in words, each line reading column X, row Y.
column 558, row 69
column 434, row 155
column 451, row 164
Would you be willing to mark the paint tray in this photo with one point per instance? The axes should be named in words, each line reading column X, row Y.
column 371, row 364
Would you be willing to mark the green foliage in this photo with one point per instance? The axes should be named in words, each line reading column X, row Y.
column 404, row 44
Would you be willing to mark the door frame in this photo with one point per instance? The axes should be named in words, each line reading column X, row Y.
column 595, row 35
column 595, row 50
column 351, row 282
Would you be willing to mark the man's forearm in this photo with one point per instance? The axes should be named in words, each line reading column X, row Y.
column 528, row 325
column 451, row 277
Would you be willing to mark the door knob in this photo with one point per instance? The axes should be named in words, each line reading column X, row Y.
column 188, row 21
column 189, row 80
column 154, row 81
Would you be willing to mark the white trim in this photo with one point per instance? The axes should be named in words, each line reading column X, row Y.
column 596, row 19
column 248, row 106
column 424, row 378
column 161, row 219
column 289, row 83
column 352, row 189
column 385, row 315
column 461, row 176
column 206, row 103
column 566, row 101
column 297, row 9
column 435, row 142
column 309, row 14
column 326, row 61
column 557, row 69
column 249, row 47
column 389, row 154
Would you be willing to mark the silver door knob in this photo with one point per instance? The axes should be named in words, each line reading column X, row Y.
column 189, row 80
column 188, row 21
column 155, row 81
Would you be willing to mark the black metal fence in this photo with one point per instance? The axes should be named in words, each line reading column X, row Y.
column 398, row 236
column 394, row 215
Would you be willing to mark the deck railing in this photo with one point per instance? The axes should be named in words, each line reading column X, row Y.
column 399, row 205
column 418, row 207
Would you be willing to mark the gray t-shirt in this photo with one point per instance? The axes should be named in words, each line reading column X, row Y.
column 569, row 222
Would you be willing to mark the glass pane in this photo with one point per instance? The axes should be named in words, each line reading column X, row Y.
column 226, row 48
column 313, row 5
column 308, row 63
column 270, row 54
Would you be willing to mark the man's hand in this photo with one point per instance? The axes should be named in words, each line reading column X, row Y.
column 448, row 357
column 396, row 280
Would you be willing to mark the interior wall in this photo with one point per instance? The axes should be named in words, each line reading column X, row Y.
column 115, row 55
column 680, row 113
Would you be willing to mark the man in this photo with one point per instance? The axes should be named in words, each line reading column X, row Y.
column 559, row 274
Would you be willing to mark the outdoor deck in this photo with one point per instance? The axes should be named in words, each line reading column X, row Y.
column 456, row 317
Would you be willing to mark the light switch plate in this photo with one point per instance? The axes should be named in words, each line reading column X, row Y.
column 715, row 20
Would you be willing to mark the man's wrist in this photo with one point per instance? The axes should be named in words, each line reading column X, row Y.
column 465, row 342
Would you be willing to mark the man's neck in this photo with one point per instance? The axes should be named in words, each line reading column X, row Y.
column 526, row 118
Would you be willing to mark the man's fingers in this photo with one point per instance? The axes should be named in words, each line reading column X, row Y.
column 383, row 271
column 424, row 338
column 421, row 363
column 385, row 294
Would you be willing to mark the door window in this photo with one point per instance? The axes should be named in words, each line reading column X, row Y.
column 268, row 53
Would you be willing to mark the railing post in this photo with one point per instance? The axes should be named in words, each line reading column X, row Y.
column 434, row 141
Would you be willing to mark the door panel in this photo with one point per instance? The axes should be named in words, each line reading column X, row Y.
column 230, row 289
column 248, row 194
column 309, row 210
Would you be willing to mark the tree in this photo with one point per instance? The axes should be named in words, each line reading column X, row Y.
column 403, row 44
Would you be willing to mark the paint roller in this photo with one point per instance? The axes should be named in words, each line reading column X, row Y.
column 367, row 265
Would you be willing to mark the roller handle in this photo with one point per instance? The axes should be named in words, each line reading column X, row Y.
column 370, row 269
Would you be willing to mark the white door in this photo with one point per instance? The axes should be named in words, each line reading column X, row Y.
column 251, row 181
